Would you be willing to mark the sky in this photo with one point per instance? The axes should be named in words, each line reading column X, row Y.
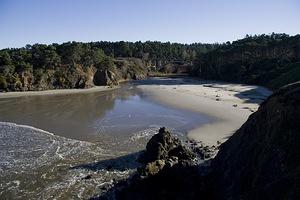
column 186, row 21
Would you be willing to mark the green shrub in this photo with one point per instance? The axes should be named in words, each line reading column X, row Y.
column 3, row 83
column 291, row 76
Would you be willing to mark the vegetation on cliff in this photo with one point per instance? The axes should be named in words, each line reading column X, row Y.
column 69, row 65
column 269, row 60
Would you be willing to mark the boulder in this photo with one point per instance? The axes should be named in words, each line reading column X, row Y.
column 163, row 146
column 139, row 76
column 162, row 153
column 105, row 77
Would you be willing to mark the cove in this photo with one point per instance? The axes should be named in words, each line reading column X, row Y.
column 98, row 116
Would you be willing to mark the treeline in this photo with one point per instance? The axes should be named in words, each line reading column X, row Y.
column 69, row 65
column 153, row 51
column 39, row 66
column 270, row 60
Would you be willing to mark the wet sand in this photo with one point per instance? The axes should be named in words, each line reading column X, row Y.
column 56, row 92
column 229, row 105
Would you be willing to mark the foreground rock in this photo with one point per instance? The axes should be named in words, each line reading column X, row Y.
column 260, row 161
column 163, row 151
column 167, row 165
column 164, row 146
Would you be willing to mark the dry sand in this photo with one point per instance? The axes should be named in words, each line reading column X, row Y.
column 228, row 105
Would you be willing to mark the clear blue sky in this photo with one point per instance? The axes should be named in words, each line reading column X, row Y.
column 46, row 21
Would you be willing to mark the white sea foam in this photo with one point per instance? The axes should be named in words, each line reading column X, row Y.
column 25, row 126
column 147, row 133
column 30, row 155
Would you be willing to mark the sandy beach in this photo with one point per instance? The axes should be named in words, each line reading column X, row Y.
column 228, row 105
column 56, row 92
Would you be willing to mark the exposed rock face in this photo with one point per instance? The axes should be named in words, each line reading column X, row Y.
column 139, row 76
column 105, row 77
column 262, row 159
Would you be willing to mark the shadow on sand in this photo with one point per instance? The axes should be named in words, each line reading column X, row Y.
column 178, row 80
column 251, row 96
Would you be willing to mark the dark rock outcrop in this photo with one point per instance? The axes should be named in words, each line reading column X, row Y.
column 105, row 77
column 163, row 151
column 262, row 159
column 163, row 146
column 168, row 171
column 181, row 181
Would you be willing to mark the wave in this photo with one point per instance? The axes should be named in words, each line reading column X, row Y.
column 25, row 126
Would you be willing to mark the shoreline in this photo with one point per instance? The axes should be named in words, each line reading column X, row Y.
column 228, row 105
column 4, row 95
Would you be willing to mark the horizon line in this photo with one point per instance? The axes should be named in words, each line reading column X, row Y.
column 143, row 41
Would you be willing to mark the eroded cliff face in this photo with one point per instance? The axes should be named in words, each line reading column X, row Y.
column 60, row 78
column 262, row 159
